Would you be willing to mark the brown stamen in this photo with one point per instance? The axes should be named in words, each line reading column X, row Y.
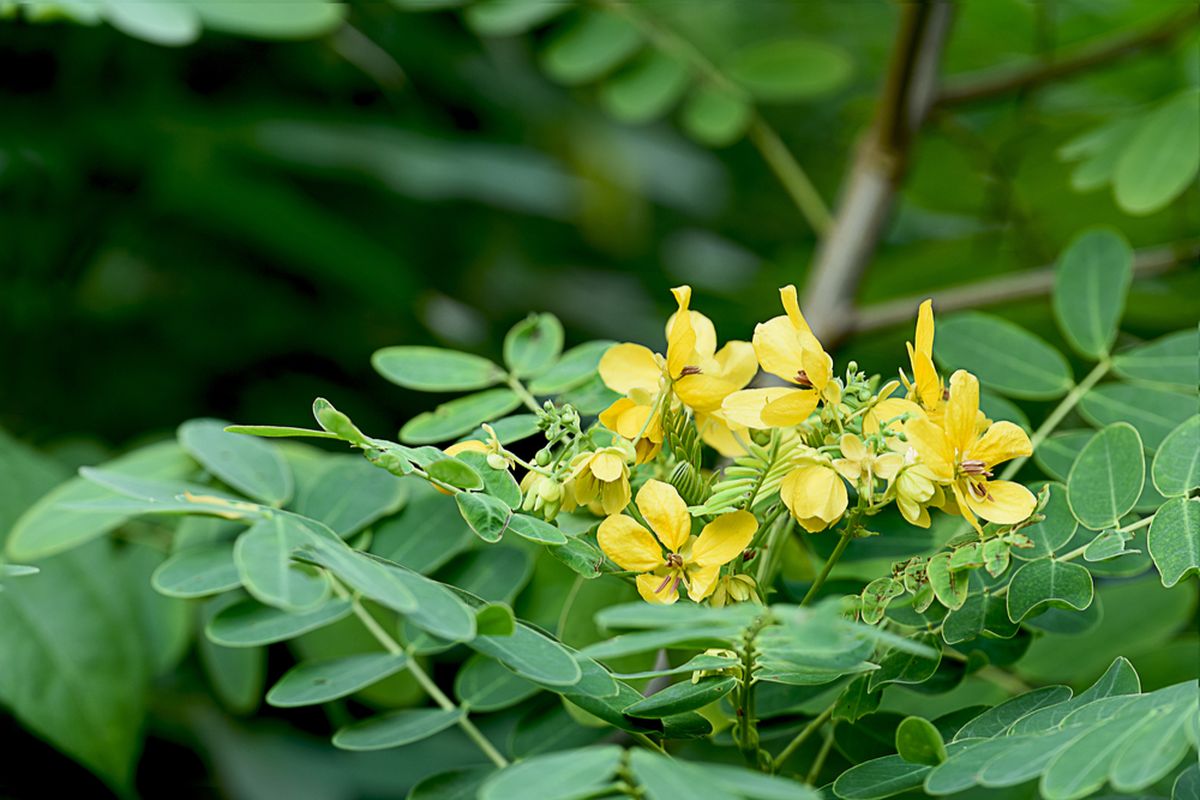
column 663, row 585
column 803, row 379
column 674, row 561
column 973, row 466
column 683, row 373
column 945, row 394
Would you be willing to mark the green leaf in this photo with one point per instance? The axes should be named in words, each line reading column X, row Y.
column 495, row 619
column 918, row 742
column 982, row 611
column 1106, row 480
column 532, row 655
column 791, row 69
column 1056, row 454
column 198, row 572
column 949, row 587
column 279, row 431
column 253, row 467
column 1161, row 160
column 683, row 696
column 998, row 719
column 496, row 482
column 1046, row 582
column 646, row 641
column 1174, row 539
column 493, row 574
column 439, row 611
column 264, row 560
column 299, row 19
column 488, row 516
column 879, row 778
column 533, row 345
column 349, row 494
column 453, row 419
column 1005, row 357
column 536, row 530
column 1170, row 361
column 509, row 17
column 1098, row 151
column 431, row 369
column 557, row 776
column 51, row 526
column 1091, row 281
column 716, row 117
column 751, row 784
column 1154, row 412
column 856, row 701
column 664, row 778
column 314, row 682
column 367, row 576
column 248, row 623
column 1176, row 469
column 589, row 46
column 584, row 558
column 1053, row 532
column 426, row 534
column 456, row 784
column 484, row 684
column 1108, row 544
column 647, row 89
column 1000, row 408
column 1187, row 785
column 906, row 667
column 396, row 729
column 575, row 367
column 703, row 661
column 166, row 24
column 458, row 473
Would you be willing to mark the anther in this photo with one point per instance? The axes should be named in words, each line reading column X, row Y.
column 674, row 561
column 973, row 466
column 803, row 379
column 683, row 373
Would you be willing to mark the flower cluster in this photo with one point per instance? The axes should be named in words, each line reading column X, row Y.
column 811, row 445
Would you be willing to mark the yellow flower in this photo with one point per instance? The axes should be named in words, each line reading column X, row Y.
column 962, row 455
column 815, row 494
column 785, row 347
column 861, row 466
column 733, row 589
column 926, row 389
column 542, row 494
column 885, row 412
column 603, row 475
column 468, row 446
column 916, row 490
column 693, row 372
column 675, row 556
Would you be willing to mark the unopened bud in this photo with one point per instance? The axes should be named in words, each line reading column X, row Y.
column 549, row 490
column 496, row 461
column 543, row 457
column 336, row 422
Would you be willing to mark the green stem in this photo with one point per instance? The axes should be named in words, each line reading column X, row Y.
column 847, row 535
column 803, row 736
column 648, row 742
column 519, row 389
column 1057, row 415
column 793, row 177
column 1141, row 523
column 822, row 754
column 431, row 688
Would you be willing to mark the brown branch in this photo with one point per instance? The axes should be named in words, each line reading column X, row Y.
column 878, row 167
column 991, row 83
column 1031, row 283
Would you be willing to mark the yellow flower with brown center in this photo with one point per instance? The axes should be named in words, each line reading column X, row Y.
column 786, row 347
column 671, row 556
column 694, row 373
column 962, row 453
column 601, row 475
column 815, row 493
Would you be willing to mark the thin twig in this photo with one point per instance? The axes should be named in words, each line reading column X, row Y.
column 993, row 83
column 1005, row 288
column 803, row 736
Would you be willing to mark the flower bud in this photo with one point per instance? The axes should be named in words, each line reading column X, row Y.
column 496, row 461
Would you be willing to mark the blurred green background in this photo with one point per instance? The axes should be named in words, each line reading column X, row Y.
column 223, row 210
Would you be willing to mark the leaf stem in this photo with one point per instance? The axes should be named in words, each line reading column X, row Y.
column 519, row 389
column 847, row 535
column 392, row 646
column 822, row 754
column 1058, row 415
column 803, row 736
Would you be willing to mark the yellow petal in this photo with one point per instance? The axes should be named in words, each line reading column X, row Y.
column 737, row 363
column 889, row 409
column 681, row 336
column 791, row 305
column 1001, row 442
column 962, row 505
column 666, row 513
column 628, row 367
column 852, row 447
column 614, row 496
column 724, row 538
column 469, row 446
column 925, row 329
column 961, row 410
column 701, row 580
column 790, row 409
column 1006, row 503
column 610, row 415
column 718, row 435
column 888, row 465
column 647, row 584
column 586, row 487
column 703, row 392
column 928, row 384
column 777, row 345
column 607, row 466
column 629, row 545
column 745, row 408
column 933, row 447
column 813, row 524
column 814, row 490
column 818, row 365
